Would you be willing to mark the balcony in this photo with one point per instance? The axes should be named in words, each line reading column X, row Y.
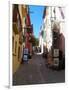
column 29, row 29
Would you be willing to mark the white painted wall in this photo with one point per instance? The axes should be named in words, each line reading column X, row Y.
column 41, row 43
column 47, row 25
column 48, row 19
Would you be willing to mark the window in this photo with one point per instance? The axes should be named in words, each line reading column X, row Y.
column 44, row 26
column 13, row 42
column 15, row 46
column 18, row 52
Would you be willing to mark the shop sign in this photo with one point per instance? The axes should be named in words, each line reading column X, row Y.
column 25, row 50
column 25, row 57
column 56, row 61
column 25, row 54
column 56, row 52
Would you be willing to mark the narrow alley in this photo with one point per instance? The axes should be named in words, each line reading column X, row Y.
column 38, row 44
column 36, row 72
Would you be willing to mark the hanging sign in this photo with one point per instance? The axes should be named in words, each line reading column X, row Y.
column 56, row 61
column 56, row 52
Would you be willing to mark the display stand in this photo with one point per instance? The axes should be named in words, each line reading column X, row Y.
column 25, row 55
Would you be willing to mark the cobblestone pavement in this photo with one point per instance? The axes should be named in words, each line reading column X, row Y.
column 36, row 72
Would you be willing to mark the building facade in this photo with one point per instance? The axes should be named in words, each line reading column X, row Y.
column 51, row 15
column 22, row 32
column 28, row 33
column 53, row 18
column 19, row 13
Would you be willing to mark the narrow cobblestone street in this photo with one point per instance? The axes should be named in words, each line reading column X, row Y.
column 36, row 72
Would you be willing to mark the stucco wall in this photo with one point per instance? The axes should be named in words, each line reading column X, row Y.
column 15, row 61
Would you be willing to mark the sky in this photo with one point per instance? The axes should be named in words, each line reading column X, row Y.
column 36, row 16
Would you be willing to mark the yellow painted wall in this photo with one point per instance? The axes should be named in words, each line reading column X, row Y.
column 16, row 64
column 22, row 11
column 15, row 61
